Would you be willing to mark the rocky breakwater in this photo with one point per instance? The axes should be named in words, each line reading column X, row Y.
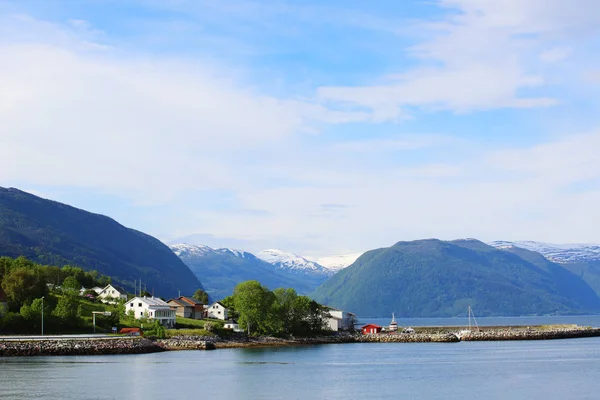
column 187, row 343
column 409, row 338
column 73, row 346
column 530, row 334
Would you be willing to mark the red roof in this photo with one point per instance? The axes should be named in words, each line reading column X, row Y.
column 131, row 331
column 371, row 326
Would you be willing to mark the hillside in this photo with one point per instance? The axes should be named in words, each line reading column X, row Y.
column 222, row 269
column 48, row 232
column 428, row 278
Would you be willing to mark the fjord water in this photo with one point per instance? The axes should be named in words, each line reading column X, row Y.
column 555, row 369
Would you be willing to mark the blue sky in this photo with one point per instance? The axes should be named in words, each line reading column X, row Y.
column 317, row 127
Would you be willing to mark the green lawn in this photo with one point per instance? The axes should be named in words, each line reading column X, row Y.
column 188, row 323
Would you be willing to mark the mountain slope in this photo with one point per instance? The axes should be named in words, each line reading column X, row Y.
column 222, row 269
column 427, row 278
column 52, row 233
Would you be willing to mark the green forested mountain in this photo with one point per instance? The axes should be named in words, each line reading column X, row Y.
column 48, row 232
column 427, row 278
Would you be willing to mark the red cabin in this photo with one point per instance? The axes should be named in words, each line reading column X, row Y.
column 370, row 328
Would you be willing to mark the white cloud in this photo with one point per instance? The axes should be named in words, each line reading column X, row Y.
column 479, row 58
column 555, row 54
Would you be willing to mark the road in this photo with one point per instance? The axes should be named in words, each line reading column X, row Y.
column 57, row 337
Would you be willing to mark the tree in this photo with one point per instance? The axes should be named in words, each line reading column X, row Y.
column 67, row 309
column 229, row 303
column 22, row 285
column 254, row 303
column 201, row 296
column 71, row 283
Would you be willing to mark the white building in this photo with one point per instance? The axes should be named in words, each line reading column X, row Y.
column 151, row 308
column 112, row 294
column 232, row 324
column 338, row 320
column 217, row 311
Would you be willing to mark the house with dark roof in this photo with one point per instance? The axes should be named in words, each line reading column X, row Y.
column 187, row 307
column 112, row 294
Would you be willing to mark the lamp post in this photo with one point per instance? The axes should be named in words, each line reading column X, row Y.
column 42, row 315
column 105, row 313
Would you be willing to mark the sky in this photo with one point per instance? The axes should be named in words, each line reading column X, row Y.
column 318, row 127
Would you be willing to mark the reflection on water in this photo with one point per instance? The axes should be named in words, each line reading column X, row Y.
column 559, row 369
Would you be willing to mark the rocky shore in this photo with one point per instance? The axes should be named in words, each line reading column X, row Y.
column 73, row 347
column 529, row 334
column 410, row 338
column 127, row 345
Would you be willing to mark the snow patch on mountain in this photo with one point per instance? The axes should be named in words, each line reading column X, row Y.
column 187, row 250
column 183, row 249
column 559, row 253
column 336, row 263
column 293, row 262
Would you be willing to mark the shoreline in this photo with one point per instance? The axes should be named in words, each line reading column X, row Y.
column 128, row 345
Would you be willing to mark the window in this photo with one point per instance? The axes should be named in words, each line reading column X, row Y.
column 131, row 304
column 139, row 304
column 141, row 313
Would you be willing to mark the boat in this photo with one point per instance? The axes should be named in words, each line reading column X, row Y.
column 393, row 325
column 466, row 332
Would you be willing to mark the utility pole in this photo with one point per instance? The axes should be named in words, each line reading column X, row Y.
column 42, row 315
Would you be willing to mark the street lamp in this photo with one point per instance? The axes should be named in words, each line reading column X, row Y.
column 42, row 315
column 105, row 313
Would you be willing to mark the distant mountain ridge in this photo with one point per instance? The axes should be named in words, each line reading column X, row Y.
column 560, row 253
column 581, row 259
column 429, row 278
column 293, row 262
column 222, row 269
column 338, row 262
column 52, row 233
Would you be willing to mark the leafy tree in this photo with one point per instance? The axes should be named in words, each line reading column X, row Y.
column 229, row 303
column 71, row 283
column 254, row 304
column 67, row 309
column 201, row 296
column 156, row 329
column 21, row 285
column 33, row 311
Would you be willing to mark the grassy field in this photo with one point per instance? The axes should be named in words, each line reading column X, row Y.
column 188, row 323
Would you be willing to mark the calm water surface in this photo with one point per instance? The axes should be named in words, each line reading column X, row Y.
column 583, row 320
column 558, row 369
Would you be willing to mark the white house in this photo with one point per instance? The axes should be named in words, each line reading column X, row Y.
column 152, row 308
column 112, row 294
column 232, row 324
column 217, row 310
column 338, row 320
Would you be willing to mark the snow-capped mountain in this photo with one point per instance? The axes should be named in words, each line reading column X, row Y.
column 336, row 263
column 183, row 249
column 222, row 269
column 293, row 262
column 559, row 253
